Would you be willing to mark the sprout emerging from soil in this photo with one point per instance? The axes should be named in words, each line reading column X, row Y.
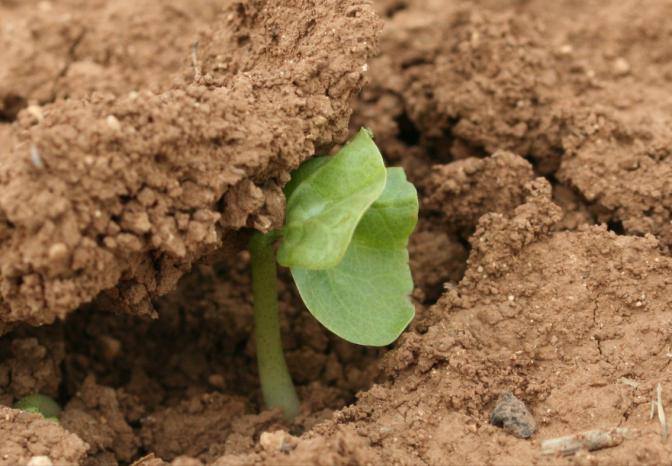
column 40, row 404
column 345, row 241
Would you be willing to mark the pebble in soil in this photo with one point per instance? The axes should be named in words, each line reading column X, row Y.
column 512, row 415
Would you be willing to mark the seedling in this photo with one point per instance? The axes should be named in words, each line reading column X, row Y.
column 345, row 240
column 40, row 404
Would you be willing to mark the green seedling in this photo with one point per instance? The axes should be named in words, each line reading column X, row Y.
column 345, row 240
column 40, row 404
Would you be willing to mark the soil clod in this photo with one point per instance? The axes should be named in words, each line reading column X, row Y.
column 277, row 441
column 512, row 415
column 133, row 165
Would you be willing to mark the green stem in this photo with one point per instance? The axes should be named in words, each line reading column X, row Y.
column 276, row 383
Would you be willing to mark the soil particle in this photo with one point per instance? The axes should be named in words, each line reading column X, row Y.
column 512, row 415
column 40, row 461
column 465, row 190
column 31, row 364
column 18, row 431
column 343, row 448
column 137, row 201
column 5, row 131
column 570, row 317
column 200, row 427
column 438, row 259
column 277, row 441
column 95, row 416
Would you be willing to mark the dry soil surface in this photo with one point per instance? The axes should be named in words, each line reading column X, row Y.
column 141, row 142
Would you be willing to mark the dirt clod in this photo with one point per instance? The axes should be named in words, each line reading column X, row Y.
column 140, row 141
column 55, row 444
column 95, row 416
column 135, row 188
column 467, row 189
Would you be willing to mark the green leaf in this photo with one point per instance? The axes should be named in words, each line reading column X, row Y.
column 39, row 404
column 326, row 199
column 364, row 299
column 306, row 169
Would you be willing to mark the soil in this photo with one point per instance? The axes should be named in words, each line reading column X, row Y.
column 141, row 142
column 123, row 192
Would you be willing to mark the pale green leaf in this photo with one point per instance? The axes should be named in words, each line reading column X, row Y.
column 365, row 298
column 306, row 169
column 39, row 404
column 326, row 202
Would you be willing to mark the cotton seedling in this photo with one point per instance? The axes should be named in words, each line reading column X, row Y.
column 345, row 241
column 40, row 404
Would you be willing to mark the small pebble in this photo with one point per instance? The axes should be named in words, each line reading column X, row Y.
column 110, row 347
column 217, row 380
column 36, row 112
column 113, row 123
column 58, row 252
column 277, row 441
column 185, row 461
column 566, row 49
column 512, row 415
column 621, row 67
column 40, row 461
column 35, row 157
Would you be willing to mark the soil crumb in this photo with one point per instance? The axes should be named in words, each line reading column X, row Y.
column 139, row 141
column 466, row 189
column 18, row 428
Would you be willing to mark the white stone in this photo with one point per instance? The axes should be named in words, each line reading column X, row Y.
column 40, row 461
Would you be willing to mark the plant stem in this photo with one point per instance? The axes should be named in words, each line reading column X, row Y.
column 276, row 383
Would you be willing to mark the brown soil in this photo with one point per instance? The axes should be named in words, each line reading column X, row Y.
column 25, row 436
column 123, row 192
column 139, row 143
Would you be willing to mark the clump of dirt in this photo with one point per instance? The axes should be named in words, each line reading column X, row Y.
column 95, row 414
column 456, row 81
column 536, row 134
column 466, row 189
column 31, row 364
column 130, row 190
column 342, row 448
column 26, row 436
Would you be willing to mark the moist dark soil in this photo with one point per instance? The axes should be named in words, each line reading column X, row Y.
column 142, row 141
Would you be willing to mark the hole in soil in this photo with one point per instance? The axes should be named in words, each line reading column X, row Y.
column 546, row 166
column 395, row 8
column 10, row 107
column 201, row 346
column 443, row 147
column 419, row 61
column 616, row 226
column 438, row 258
column 408, row 132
